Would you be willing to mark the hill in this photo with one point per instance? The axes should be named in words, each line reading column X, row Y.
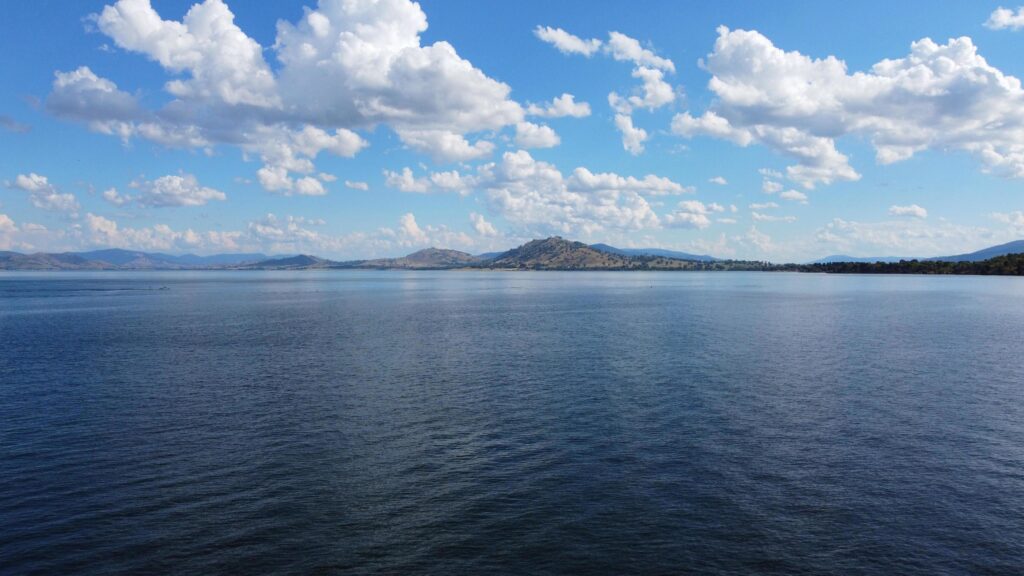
column 1015, row 247
column 426, row 259
column 653, row 252
column 300, row 262
column 557, row 253
column 42, row 261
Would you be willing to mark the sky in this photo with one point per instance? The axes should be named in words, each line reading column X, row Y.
column 781, row 131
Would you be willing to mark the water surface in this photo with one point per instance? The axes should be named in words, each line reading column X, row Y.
column 476, row 422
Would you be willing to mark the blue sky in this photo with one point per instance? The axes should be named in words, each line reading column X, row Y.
column 782, row 131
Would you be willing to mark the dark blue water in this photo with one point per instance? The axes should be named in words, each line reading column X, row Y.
column 541, row 423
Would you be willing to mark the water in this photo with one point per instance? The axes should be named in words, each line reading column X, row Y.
column 544, row 423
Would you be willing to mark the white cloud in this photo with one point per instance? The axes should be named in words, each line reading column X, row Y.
column 719, row 180
column 309, row 186
column 7, row 231
column 535, row 196
column 622, row 47
column 564, row 105
column 44, row 195
column 82, row 95
column 325, row 177
column 1015, row 218
column 223, row 63
column 291, row 234
column 173, row 190
column 355, row 185
column 691, row 214
column 443, row 145
column 794, row 195
column 940, row 96
column 770, row 186
column 104, row 232
column 566, row 42
column 912, row 211
column 26, row 237
column 450, row 181
column 756, row 240
column 343, row 66
column 633, row 138
column 530, row 135
column 759, row 217
column 655, row 93
column 1005, row 18
column 481, row 225
column 763, row 206
column 584, row 180
column 405, row 181
column 906, row 237
column 116, row 198
column 276, row 179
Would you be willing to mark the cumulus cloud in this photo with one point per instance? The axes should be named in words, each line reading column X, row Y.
column 1005, row 18
column 405, row 181
column 912, row 237
column 912, row 211
column 481, row 225
column 692, row 214
column 754, row 239
column 760, row 217
column 116, row 198
column 1015, row 218
column 538, row 198
column 104, row 232
column 584, row 180
column 344, row 66
column 622, row 47
column 530, row 135
column 719, row 180
column 763, row 206
column 653, row 93
column 940, row 96
column 356, row 185
column 44, row 195
column 169, row 191
column 564, row 105
column 633, row 138
column 794, row 195
column 535, row 196
column 7, row 230
column 567, row 43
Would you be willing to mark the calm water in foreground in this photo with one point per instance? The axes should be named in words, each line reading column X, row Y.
column 542, row 423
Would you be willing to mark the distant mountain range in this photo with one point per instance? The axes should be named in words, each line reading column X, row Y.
column 553, row 253
column 117, row 259
column 653, row 252
column 1015, row 247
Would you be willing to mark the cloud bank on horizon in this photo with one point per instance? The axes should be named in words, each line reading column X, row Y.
column 350, row 112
